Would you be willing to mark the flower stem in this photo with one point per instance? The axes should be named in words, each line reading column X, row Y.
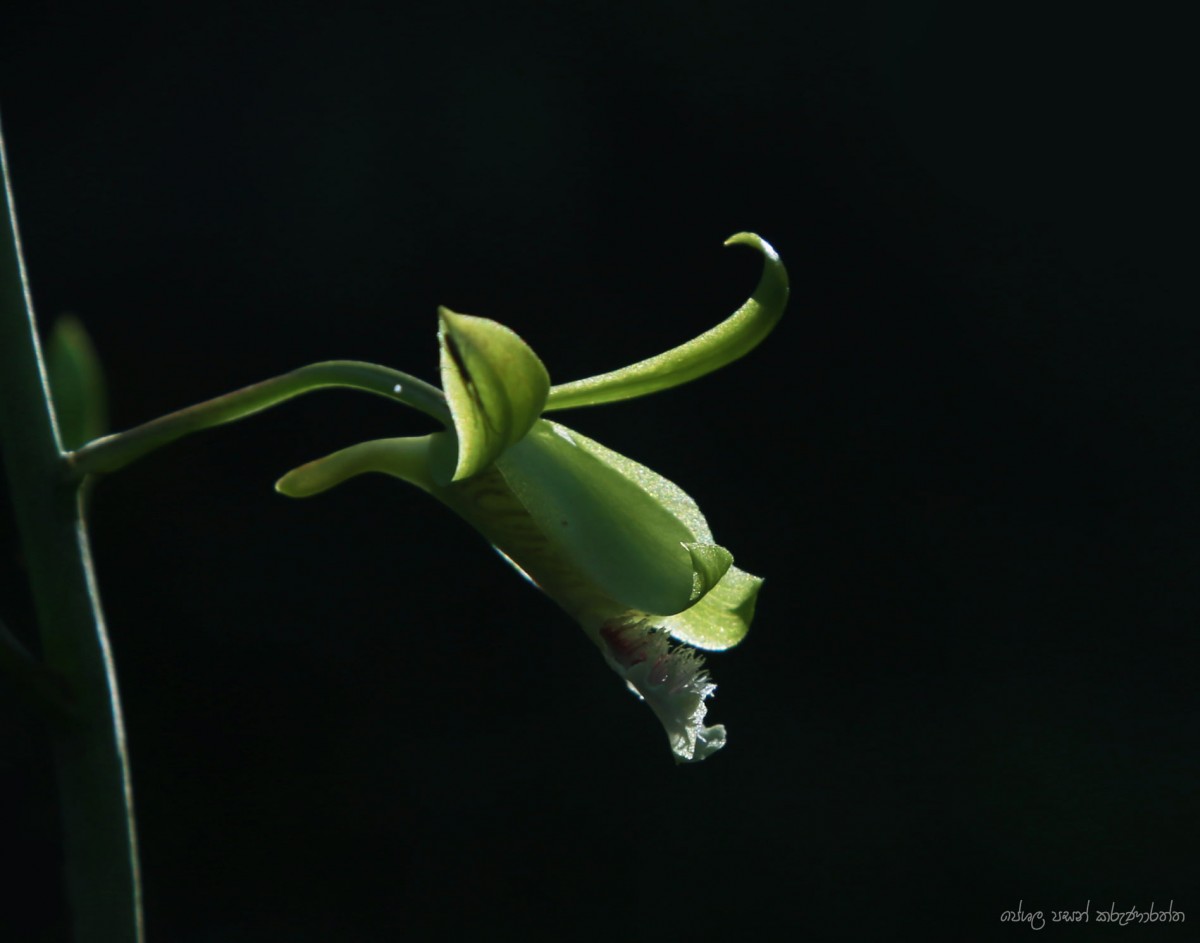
column 116, row 451
column 100, row 848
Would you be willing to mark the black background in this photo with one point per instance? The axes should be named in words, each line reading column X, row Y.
column 965, row 461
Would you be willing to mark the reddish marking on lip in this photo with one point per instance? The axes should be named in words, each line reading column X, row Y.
column 626, row 644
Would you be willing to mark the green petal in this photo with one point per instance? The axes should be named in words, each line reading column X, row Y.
column 632, row 533
column 721, row 618
column 408, row 459
column 495, row 385
column 76, row 383
column 737, row 335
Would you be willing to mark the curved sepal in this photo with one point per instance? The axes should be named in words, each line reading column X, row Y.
column 721, row 618
column 734, row 337
column 633, row 533
column 495, row 384
column 407, row 458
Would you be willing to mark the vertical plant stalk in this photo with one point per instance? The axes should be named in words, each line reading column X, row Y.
column 93, row 766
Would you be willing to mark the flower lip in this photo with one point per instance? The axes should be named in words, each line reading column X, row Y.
column 670, row 678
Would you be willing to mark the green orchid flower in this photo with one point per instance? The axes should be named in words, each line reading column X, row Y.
column 623, row 550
